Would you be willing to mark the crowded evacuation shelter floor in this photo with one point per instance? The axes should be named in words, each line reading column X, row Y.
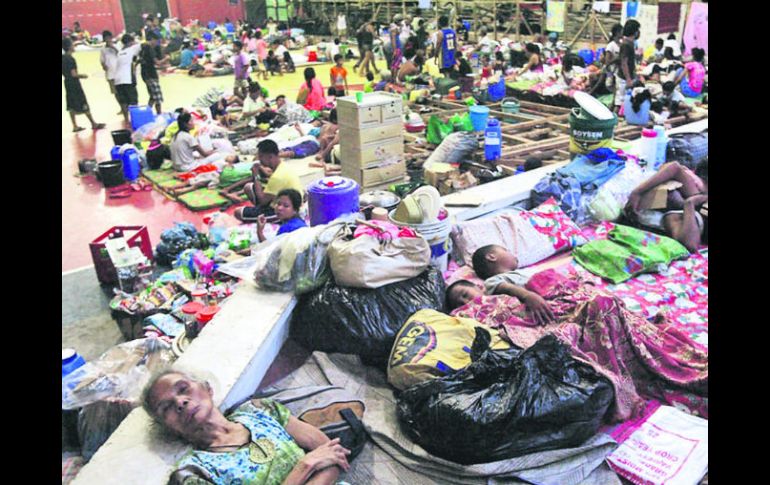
column 84, row 198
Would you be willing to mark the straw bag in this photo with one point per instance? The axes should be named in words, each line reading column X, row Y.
column 372, row 262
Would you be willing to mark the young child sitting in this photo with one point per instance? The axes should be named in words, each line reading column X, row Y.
column 369, row 84
column 673, row 100
column 499, row 269
column 288, row 202
column 258, row 70
column 486, row 68
column 273, row 63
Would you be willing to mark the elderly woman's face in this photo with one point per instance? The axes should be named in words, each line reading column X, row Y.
column 181, row 404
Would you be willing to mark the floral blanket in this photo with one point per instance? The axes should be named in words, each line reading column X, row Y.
column 680, row 291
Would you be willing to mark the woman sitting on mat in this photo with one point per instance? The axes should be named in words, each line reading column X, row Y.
column 311, row 92
column 259, row 442
column 690, row 78
column 287, row 205
column 686, row 219
column 535, row 63
column 184, row 147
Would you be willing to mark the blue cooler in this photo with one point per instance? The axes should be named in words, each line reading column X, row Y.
column 140, row 116
column 330, row 198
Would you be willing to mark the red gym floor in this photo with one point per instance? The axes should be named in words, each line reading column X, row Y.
column 87, row 211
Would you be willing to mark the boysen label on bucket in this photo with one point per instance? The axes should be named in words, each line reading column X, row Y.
column 588, row 133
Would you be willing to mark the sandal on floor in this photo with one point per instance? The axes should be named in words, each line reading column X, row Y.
column 99, row 126
column 120, row 192
column 79, row 128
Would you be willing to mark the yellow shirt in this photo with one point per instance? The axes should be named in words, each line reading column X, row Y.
column 284, row 177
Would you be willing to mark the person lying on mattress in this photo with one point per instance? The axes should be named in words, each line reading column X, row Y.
column 259, row 442
column 499, row 269
column 686, row 215
column 643, row 359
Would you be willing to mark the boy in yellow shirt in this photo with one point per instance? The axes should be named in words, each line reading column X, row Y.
column 281, row 176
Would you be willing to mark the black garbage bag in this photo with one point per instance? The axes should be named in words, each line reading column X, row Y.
column 363, row 321
column 507, row 403
column 98, row 420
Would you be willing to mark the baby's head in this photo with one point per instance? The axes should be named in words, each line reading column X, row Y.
column 461, row 292
column 492, row 260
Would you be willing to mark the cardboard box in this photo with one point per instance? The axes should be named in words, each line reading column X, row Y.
column 439, row 172
column 658, row 197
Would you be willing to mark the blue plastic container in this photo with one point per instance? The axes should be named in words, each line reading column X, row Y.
column 330, row 198
column 497, row 91
column 207, row 36
column 479, row 115
column 212, row 25
column 492, row 140
column 70, row 360
column 140, row 116
column 230, row 27
column 131, row 167
column 599, row 53
column 587, row 55
column 115, row 152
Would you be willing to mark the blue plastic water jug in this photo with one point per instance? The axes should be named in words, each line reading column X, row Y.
column 492, row 140
column 115, row 153
column 131, row 167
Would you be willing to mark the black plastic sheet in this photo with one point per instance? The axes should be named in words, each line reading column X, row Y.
column 506, row 404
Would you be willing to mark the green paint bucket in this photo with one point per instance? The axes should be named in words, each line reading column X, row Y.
column 588, row 133
column 510, row 106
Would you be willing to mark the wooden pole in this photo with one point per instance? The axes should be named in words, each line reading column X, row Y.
column 594, row 20
column 494, row 19
column 403, row 7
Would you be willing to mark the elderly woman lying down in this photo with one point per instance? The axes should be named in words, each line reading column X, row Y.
column 257, row 443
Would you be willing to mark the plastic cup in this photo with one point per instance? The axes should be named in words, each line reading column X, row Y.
column 359, row 96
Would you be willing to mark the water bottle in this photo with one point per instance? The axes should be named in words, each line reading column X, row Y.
column 648, row 149
column 662, row 143
column 492, row 140
column 131, row 166
column 70, row 360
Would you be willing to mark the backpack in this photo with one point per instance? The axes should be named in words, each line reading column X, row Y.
column 332, row 409
column 689, row 149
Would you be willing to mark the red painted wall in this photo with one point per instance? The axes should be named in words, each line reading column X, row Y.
column 93, row 15
column 205, row 10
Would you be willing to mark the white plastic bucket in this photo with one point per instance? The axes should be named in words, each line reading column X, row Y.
column 437, row 235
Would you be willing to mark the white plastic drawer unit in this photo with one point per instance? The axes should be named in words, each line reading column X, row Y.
column 379, row 133
column 371, row 153
column 375, row 108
